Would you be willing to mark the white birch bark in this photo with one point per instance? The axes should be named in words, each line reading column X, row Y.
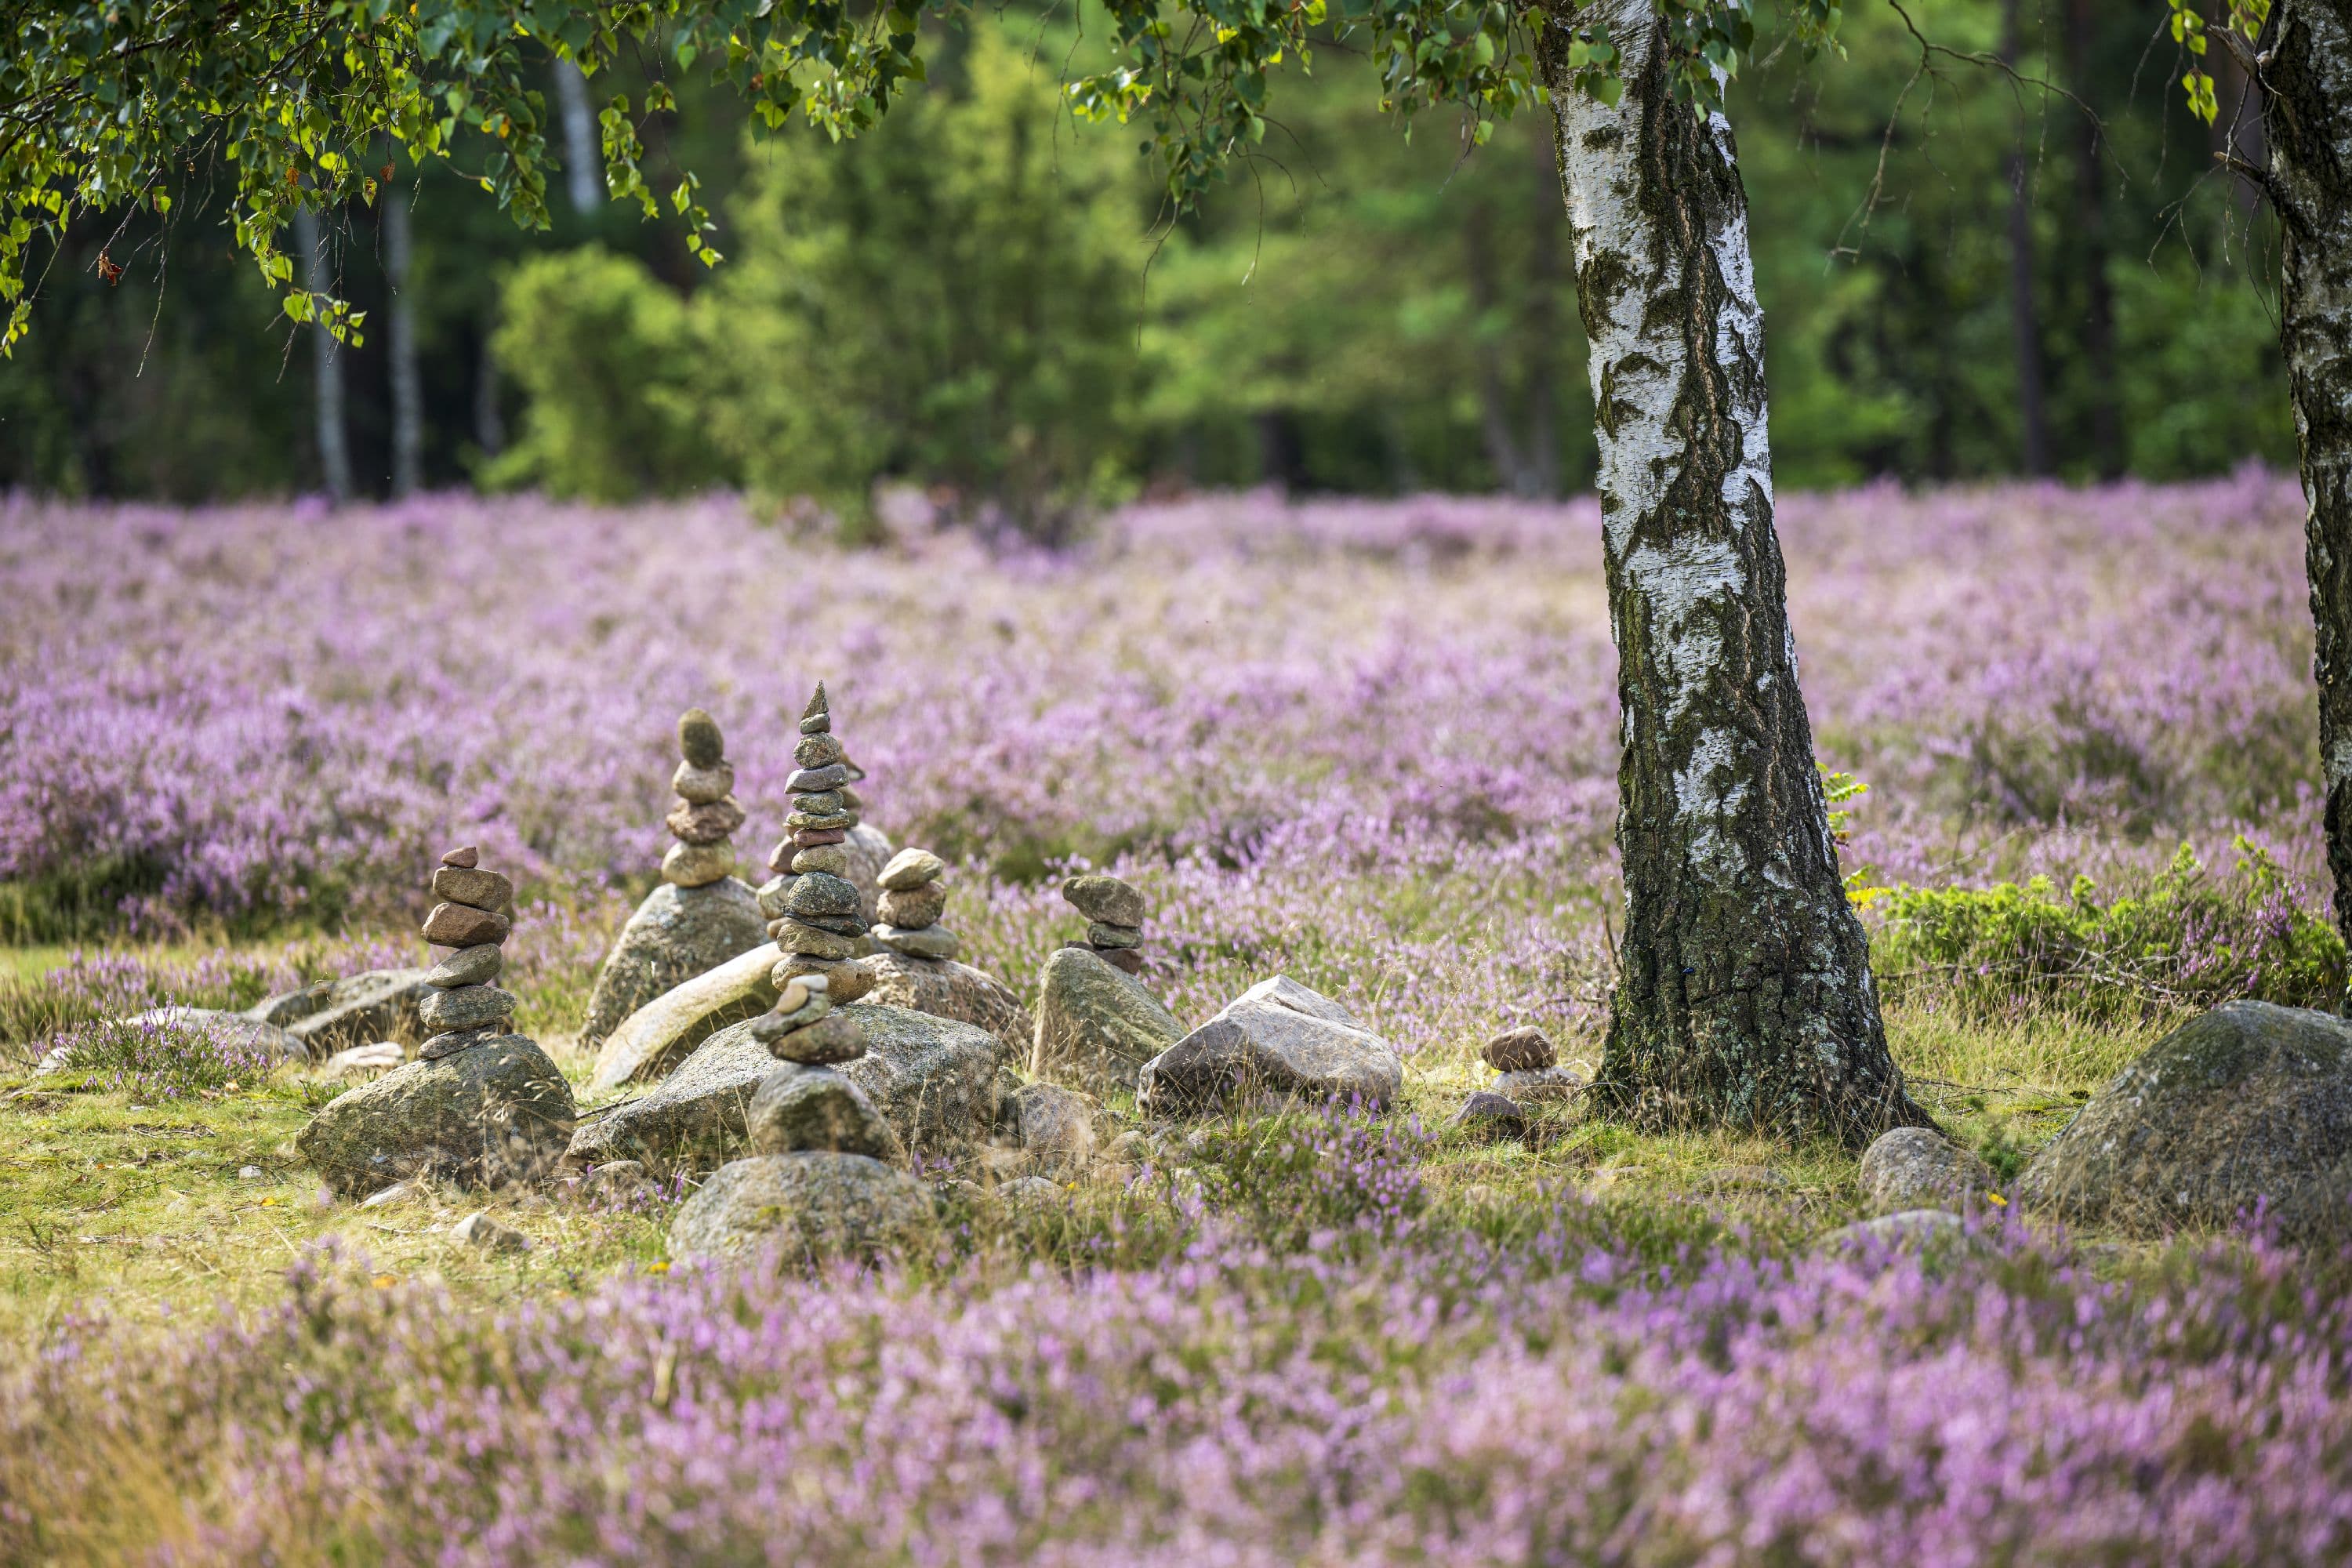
column 1745, row 995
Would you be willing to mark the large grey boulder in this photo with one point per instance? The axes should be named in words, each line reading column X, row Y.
column 1913, row 1168
column 676, row 934
column 1095, row 1026
column 2248, row 1104
column 356, row 1010
column 812, row 1204
column 946, row 989
column 493, row 1113
column 1277, row 1040
column 932, row 1079
column 665, row 1031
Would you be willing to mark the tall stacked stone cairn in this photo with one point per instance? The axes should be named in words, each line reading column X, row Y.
column 700, row 916
column 914, row 896
column 1114, row 911
column 823, row 1177
column 479, row 1105
column 817, row 918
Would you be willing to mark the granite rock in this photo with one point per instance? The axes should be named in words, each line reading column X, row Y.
column 500, row 1112
column 812, row 1205
column 1277, row 1041
column 665, row 1031
column 1107, row 900
column 798, row 1107
column 1095, row 1026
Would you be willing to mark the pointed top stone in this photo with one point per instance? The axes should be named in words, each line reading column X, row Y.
column 467, row 857
column 816, row 719
column 699, row 739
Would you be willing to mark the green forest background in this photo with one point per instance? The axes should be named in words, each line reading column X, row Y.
column 980, row 297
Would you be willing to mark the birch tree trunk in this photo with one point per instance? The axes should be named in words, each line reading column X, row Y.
column 407, row 382
column 1746, row 996
column 327, row 365
column 2307, row 120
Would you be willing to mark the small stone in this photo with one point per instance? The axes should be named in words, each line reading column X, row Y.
column 1540, row 1083
column 820, row 821
column 706, row 823
column 817, row 781
column 930, row 941
column 819, row 725
column 772, row 896
column 830, row 859
column 1050, row 1122
column 249, row 1172
column 819, row 804
column 812, row 1108
column 460, row 925
column 1491, row 1116
column 796, row 993
column 849, row 926
column 700, row 787
column 399, row 1192
column 699, row 739
column 1523, row 1049
column 815, row 837
column 775, row 1024
column 474, row 890
column 910, row 869
column 487, row 1234
column 618, row 1181
column 812, row 942
column 844, row 982
column 476, row 965
column 1104, row 937
column 1125, row 960
column 466, row 1007
column 467, row 858
column 456, row 1040
column 1105, row 898
column 817, row 896
column 1030, row 1191
column 816, row 751
column 836, row 1037
column 912, row 909
column 698, row 865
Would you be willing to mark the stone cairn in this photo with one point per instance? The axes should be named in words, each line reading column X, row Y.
column 705, row 815
column 1526, row 1066
column 913, row 898
column 1114, row 911
column 464, row 1008
column 814, row 911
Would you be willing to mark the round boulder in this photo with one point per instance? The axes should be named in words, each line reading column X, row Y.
column 1913, row 1168
column 2246, row 1106
column 817, row 1204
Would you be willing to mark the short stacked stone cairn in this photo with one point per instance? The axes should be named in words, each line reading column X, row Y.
column 824, row 1176
column 1528, row 1066
column 705, row 815
column 700, row 916
column 474, row 917
column 816, row 915
column 479, row 1105
column 1114, row 911
column 913, row 898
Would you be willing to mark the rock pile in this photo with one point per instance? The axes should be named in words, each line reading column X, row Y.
column 913, row 898
column 700, row 916
column 1114, row 911
column 816, row 915
column 824, row 1172
column 474, row 916
column 478, row 1105
column 705, row 815
column 1527, row 1067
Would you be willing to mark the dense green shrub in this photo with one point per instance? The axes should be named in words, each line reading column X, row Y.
column 608, row 357
column 2188, row 940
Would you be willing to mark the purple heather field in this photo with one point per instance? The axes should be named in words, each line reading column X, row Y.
column 1368, row 743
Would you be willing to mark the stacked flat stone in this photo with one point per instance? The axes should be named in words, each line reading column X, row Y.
column 1114, row 911
column 705, row 815
column 814, row 910
column 463, row 1008
column 913, row 898
column 806, row 1105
